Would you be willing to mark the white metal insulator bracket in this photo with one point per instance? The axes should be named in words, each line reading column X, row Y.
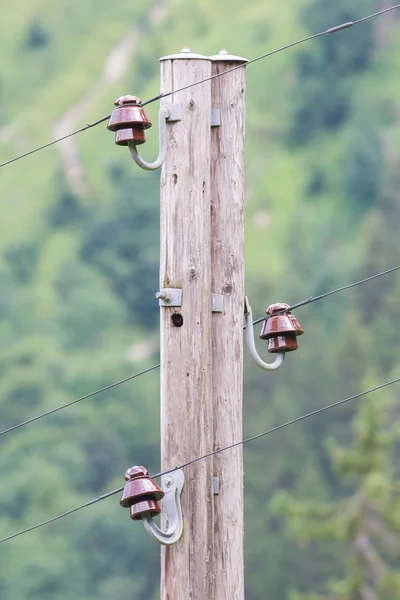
column 252, row 346
column 173, row 297
column 168, row 113
column 172, row 485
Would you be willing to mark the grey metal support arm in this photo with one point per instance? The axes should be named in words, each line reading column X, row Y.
column 172, row 485
column 164, row 115
column 280, row 357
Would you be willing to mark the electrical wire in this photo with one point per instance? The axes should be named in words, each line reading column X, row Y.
column 65, row 514
column 167, row 94
column 267, row 54
column 208, row 455
column 278, row 427
column 385, row 10
column 54, row 410
column 108, row 387
column 321, row 296
column 60, row 139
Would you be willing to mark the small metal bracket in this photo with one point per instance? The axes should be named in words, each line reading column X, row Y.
column 175, row 113
column 215, row 117
column 216, row 486
column 217, row 303
column 172, row 485
column 169, row 297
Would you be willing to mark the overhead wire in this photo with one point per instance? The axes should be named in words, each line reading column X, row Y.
column 322, row 296
column 329, row 31
column 60, row 139
column 203, row 457
column 54, row 410
column 117, row 383
column 278, row 427
column 64, row 514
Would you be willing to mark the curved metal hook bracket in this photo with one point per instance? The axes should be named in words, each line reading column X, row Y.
column 251, row 345
column 170, row 113
column 172, row 485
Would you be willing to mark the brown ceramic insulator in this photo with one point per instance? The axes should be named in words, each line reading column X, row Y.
column 123, row 136
column 277, row 324
column 283, row 343
column 128, row 115
column 140, row 489
column 149, row 507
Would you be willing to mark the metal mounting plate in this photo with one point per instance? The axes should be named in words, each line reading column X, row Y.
column 175, row 113
column 217, row 303
column 175, row 297
column 215, row 117
column 172, row 485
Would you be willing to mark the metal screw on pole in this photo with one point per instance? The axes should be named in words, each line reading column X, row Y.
column 166, row 296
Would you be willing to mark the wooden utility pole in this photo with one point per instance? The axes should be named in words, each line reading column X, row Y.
column 227, row 263
column 202, row 252
column 186, row 375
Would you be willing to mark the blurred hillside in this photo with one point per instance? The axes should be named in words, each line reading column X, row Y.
column 79, row 243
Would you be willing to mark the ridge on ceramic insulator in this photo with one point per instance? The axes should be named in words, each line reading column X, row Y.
column 281, row 329
column 128, row 121
column 141, row 494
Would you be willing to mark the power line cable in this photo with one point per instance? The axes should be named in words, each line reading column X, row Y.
column 267, row 54
column 321, row 296
column 108, row 387
column 65, row 514
column 54, row 410
column 208, row 455
column 278, row 427
column 385, row 10
column 167, row 94
column 60, row 139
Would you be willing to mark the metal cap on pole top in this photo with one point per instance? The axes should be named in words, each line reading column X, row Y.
column 185, row 54
column 224, row 56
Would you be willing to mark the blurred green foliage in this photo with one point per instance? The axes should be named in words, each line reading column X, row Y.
column 366, row 523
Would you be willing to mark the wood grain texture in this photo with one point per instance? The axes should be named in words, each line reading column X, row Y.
column 186, row 377
column 227, row 232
